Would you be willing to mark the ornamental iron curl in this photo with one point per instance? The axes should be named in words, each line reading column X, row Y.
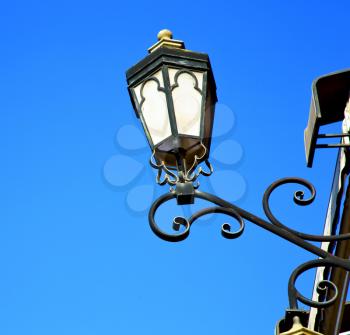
column 324, row 286
column 299, row 200
column 181, row 221
column 273, row 225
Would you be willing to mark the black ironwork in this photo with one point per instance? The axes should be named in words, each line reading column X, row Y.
column 273, row 225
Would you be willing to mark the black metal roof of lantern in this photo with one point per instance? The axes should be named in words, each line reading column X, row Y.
column 173, row 93
column 330, row 94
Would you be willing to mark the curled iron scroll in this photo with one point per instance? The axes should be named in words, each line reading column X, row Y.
column 226, row 229
column 299, row 199
column 324, row 286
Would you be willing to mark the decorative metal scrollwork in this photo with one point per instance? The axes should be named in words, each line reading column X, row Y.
column 299, row 200
column 322, row 287
column 273, row 225
column 167, row 176
column 186, row 223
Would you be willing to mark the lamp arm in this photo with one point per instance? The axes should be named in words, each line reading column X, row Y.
column 273, row 225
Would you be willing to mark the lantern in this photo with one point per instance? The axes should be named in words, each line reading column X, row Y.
column 173, row 93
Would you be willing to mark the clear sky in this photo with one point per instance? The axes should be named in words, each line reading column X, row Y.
column 76, row 252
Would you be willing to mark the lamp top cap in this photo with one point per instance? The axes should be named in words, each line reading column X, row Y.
column 165, row 40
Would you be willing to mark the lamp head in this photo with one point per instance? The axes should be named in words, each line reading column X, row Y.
column 173, row 93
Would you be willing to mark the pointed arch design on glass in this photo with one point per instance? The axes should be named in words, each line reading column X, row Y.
column 153, row 108
column 186, row 87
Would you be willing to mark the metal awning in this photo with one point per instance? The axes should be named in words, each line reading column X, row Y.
column 330, row 94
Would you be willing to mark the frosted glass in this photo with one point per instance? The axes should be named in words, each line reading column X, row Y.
column 187, row 101
column 154, row 110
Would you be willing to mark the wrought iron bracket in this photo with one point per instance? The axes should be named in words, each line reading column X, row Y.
column 186, row 194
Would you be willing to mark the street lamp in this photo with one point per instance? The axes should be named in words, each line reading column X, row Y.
column 173, row 93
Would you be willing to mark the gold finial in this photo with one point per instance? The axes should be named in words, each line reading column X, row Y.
column 165, row 40
column 165, row 34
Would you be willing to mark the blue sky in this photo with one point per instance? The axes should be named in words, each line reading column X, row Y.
column 75, row 258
